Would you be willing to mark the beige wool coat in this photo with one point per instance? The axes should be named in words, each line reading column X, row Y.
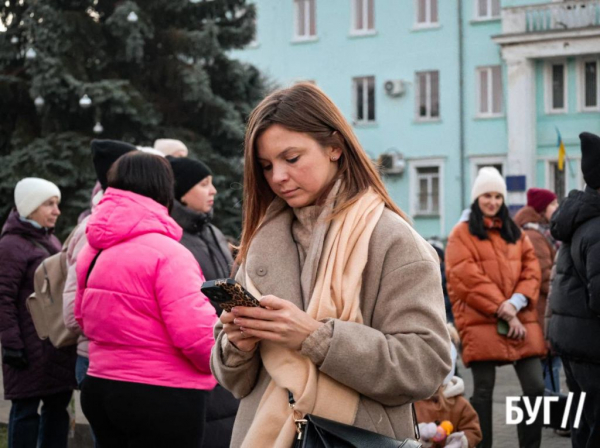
column 400, row 354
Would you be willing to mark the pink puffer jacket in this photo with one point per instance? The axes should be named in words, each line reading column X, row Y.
column 142, row 309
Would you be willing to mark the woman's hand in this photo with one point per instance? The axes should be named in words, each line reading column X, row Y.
column 516, row 330
column 281, row 322
column 240, row 340
column 506, row 311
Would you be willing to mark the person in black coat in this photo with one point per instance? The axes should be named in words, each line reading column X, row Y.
column 192, row 210
column 574, row 329
column 33, row 370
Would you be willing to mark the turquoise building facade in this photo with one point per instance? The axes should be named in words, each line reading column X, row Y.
column 436, row 89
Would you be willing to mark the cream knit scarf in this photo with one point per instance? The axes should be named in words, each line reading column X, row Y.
column 336, row 295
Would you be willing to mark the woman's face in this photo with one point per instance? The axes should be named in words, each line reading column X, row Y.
column 490, row 203
column 47, row 213
column 201, row 197
column 551, row 209
column 296, row 167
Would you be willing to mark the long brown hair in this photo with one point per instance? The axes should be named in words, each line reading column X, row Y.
column 305, row 108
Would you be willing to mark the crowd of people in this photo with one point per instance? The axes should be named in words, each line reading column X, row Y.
column 359, row 314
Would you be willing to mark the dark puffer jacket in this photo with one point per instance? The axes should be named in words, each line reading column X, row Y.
column 49, row 370
column 209, row 246
column 204, row 241
column 574, row 329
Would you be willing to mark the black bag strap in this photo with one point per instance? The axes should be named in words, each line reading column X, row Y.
column 92, row 267
column 416, row 423
column 412, row 406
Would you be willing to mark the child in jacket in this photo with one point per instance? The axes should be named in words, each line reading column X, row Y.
column 448, row 404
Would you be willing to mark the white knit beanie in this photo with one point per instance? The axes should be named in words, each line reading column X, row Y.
column 488, row 180
column 32, row 192
column 169, row 146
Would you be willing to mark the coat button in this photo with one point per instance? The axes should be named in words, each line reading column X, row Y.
column 261, row 272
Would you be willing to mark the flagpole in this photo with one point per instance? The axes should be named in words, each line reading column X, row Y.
column 569, row 163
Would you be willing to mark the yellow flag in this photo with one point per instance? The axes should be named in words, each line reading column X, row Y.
column 562, row 154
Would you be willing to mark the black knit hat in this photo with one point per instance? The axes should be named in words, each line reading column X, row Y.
column 188, row 172
column 104, row 154
column 590, row 159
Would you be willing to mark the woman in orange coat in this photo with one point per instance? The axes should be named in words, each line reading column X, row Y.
column 494, row 281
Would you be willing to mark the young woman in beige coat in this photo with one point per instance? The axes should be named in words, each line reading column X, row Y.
column 353, row 322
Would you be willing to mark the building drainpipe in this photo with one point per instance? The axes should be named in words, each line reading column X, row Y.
column 461, row 102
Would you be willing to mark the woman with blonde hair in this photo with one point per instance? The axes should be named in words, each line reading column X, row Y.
column 352, row 324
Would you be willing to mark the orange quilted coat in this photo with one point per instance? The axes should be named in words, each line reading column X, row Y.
column 480, row 276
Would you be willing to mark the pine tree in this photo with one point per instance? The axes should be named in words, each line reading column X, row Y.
column 151, row 69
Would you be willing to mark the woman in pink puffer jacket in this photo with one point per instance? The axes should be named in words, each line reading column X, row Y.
column 139, row 303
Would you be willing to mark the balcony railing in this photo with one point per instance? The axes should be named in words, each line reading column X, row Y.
column 551, row 17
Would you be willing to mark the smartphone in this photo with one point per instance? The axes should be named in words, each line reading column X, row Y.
column 502, row 327
column 228, row 293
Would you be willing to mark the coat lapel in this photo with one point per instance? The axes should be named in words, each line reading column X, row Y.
column 272, row 263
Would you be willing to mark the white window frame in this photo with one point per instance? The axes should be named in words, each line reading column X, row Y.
column 549, row 176
column 414, row 188
column 364, row 99
column 478, row 162
column 428, row 117
column 489, row 15
column 548, row 81
column 306, row 4
column 365, row 30
column 428, row 22
column 580, row 181
column 581, row 84
column 489, row 69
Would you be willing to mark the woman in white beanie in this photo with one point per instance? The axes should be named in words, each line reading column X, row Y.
column 33, row 370
column 494, row 281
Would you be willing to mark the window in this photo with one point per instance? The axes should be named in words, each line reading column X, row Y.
column 363, row 16
column 364, row 99
column 489, row 91
column 428, row 95
column 557, row 180
column 556, row 87
column 427, row 12
column 589, row 80
column 487, row 9
column 428, row 190
column 478, row 162
column 306, row 24
column 498, row 166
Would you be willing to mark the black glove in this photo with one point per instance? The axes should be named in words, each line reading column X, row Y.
column 14, row 358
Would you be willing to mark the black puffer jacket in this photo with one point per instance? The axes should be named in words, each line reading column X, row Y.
column 574, row 329
column 204, row 241
column 209, row 247
column 49, row 370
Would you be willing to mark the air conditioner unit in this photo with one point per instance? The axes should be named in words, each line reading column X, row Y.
column 391, row 162
column 395, row 87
